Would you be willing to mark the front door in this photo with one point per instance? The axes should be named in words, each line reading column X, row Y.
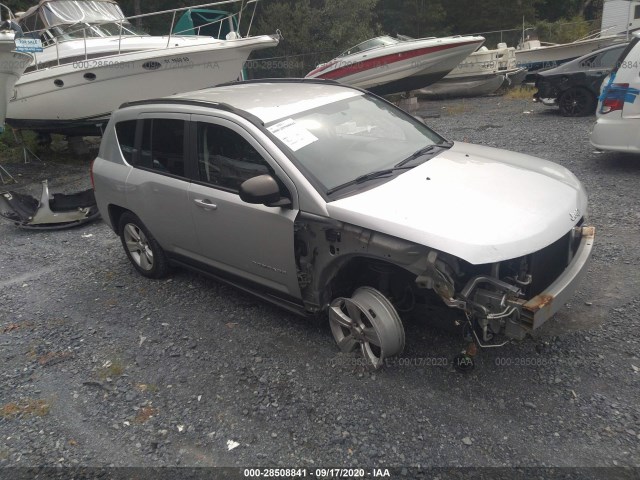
column 254, row 242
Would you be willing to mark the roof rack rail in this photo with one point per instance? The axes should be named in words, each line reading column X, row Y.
column 320, row 81
column 198, row 103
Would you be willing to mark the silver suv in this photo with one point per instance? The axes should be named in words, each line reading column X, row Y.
column 323, row 198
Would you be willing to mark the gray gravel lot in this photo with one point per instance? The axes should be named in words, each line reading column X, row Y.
column 100, row 366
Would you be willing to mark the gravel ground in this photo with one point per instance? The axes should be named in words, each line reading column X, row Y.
column 101, row 367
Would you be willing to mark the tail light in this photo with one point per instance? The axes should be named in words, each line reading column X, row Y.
column 93, row 184
column 613, row 97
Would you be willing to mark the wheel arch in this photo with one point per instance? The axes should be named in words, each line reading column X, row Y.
column 115, row 213
column 346, row 273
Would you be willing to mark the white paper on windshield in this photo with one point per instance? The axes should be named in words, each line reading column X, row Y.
column 293, row 135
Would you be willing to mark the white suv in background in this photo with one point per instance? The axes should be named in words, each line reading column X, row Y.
column 618, row 125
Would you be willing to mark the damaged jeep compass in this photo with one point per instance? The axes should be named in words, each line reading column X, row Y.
column 328, row 200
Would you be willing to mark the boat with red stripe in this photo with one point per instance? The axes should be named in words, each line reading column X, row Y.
column 386, row 65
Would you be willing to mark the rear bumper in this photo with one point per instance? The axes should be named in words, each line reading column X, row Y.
column 542, row 307
column 616, row 134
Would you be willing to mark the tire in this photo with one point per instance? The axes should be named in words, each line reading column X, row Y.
column 142, row 249
column 577, row 102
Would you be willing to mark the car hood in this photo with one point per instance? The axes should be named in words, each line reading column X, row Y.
column 478, row 203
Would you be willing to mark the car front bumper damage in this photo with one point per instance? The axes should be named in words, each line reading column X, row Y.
column 543, row 306
column 497, row 303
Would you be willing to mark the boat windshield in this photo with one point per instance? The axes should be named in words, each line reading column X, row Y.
column 69, row 19
column 80, row 30
column 65, row 12
column 371, row 44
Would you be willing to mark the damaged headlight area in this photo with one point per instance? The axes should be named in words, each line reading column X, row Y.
column 511, row 297
column 516, row 296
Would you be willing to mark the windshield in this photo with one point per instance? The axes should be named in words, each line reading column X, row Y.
column 370, row 44
column 67, row 12
column 341, row 141
column 69, row 32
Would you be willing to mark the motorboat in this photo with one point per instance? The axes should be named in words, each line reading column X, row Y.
column 619, row 19
column 12, row 62
column 481, row 73
column 386, row 65
column 535, row 55
column 94, row 59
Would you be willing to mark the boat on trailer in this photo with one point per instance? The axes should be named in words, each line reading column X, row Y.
column 386, row 65
column 95, row 59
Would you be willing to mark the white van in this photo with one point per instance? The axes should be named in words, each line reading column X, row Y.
column 618, row 125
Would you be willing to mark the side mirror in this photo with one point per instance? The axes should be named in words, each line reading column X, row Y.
column 262, row 189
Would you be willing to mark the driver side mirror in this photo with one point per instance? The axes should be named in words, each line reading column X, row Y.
column 264, row 190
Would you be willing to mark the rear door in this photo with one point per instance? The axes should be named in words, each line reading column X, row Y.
column 158, row 185
column 253, row 242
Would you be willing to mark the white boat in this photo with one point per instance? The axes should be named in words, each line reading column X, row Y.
column 481, row 73
column 94, row 60
column 12, row 64
column 535, row 55
column 386, row 65
column 619, row 18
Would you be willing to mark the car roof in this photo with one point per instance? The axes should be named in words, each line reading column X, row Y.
column 268, row 100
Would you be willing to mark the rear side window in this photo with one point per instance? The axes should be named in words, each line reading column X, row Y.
column 126, row 133
column 589, row 62
column 608, row 59
column 623, row 60
column 162, row 147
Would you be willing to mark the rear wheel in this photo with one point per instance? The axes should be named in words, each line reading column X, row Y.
column 143, row 250
column 577, row 102
column 369, row 321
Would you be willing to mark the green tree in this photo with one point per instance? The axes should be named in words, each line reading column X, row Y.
column 314, row 31
column 471, row 16
column 414, row 18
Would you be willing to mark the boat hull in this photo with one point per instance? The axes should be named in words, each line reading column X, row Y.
column 401, row 68
column 12, row 65
column 535, row 59
column 78, row 98
column 470, row 86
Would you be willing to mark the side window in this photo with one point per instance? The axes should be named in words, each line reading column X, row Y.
column 162, row 147
column 588, row 63
column 608, row 59
column 637, row 12
column 225, row 159
column 126, row 133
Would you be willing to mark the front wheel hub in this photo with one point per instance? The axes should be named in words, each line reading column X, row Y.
column 369, row 321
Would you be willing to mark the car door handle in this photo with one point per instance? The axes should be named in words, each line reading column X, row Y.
column 206, row 204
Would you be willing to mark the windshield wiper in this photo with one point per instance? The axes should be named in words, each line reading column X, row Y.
column 379, row 173
column 424, row 151
column 390, row 171
column 366, row 177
